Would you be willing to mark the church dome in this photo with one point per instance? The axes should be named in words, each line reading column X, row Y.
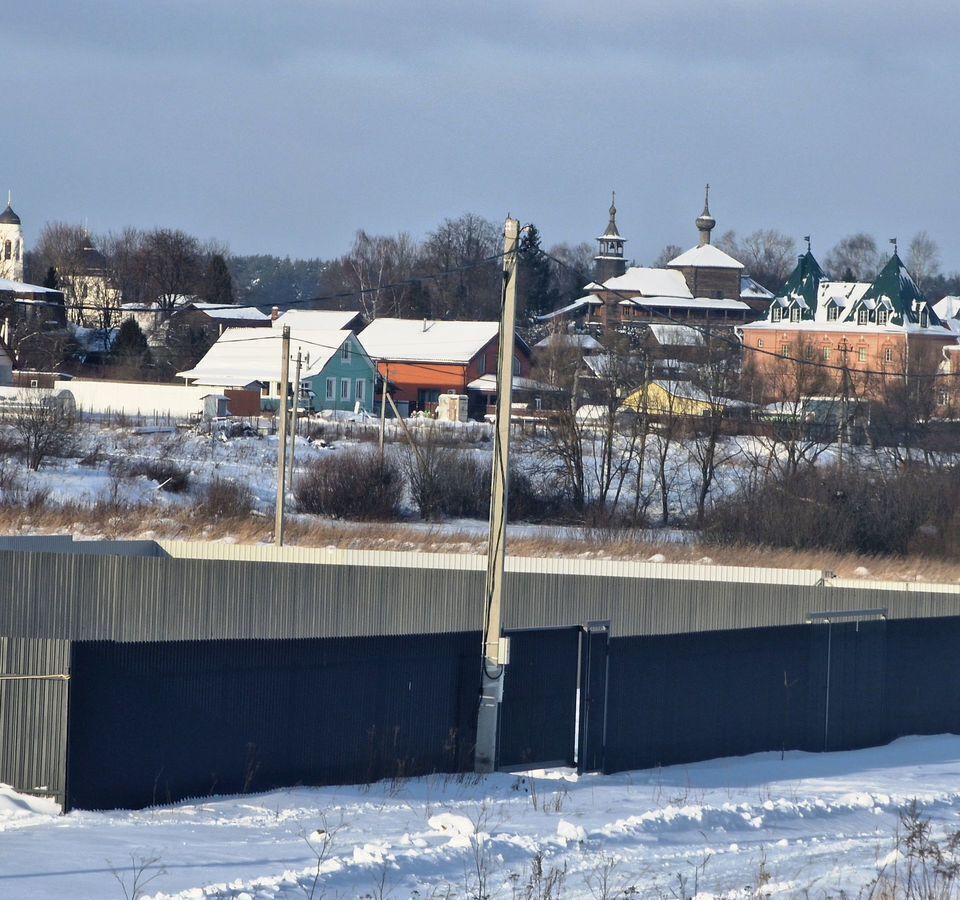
column 9, row 217
column 92, row 260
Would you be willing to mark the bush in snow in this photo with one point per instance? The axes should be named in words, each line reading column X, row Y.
column 445, row 482
column 168, row 475
column 351, row 485
column 223, row 499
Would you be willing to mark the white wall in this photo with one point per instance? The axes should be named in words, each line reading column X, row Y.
column 136, row 398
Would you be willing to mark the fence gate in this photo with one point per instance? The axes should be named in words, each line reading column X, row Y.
column 593, row 697
column 538, row 715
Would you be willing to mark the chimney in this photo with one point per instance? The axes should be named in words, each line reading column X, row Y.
column 275, row 313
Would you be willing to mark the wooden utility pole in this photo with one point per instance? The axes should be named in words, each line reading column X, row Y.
column 296, row 410
column 282, row 445
column 492, row 675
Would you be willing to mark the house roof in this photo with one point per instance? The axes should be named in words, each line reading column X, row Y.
column 752, row 289
column 234, row 313
column 421, row 340
column 242, row 355
column 947, row 308
column 895, row 285
column 487, row 384
column 20, row 287
column 589, row 300
column 706, row 256
column 649, row 283
column 804, row 282
column 677, row 335
column 316, row 319
column 580, row 341
column 691, row 303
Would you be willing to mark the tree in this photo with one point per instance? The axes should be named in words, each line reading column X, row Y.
column 573, row 271
column 44, row 423
column 172, row 266
column 130, row 347
column 768, row 255
column 535, row 286
column 462, row 257
column 381, row 270
column 217, row 285
column 50, row 280
column 671, row 251
column 923, row 258
column 855, row 258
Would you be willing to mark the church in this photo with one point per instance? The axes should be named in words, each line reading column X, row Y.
column 11, row 244
column 703, row 286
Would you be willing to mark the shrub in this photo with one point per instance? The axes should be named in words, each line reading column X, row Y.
column 168, row 475
column 223, row 499
column 446, row 482
column 351, row 485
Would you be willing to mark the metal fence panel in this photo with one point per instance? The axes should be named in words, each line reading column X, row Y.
column 156, row 722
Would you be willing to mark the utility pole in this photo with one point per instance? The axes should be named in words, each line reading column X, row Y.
column 282, row 446
column 844, row 349
column 296, row 410
column 494, row 650
column 383, row 403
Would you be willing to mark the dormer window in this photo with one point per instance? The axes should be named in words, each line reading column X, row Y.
column 862, row 317
column 924, row 318
column 795, row 314
column 777, row 314
column 883, row 316
column 833, row 312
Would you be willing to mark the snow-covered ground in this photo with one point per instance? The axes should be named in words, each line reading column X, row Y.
column 807, row 825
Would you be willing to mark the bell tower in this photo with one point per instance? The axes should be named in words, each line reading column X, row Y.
column 609, row 261
column 11, row 244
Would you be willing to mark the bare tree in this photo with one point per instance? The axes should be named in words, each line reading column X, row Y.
column 768, row 255
column 380, row 268
column 44, row 423
column 172, row 266
column 855, row 258
column 923, row 258
column 574, row 271
column 671, row 251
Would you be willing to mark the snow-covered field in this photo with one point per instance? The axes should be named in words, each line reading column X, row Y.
column 806, row 825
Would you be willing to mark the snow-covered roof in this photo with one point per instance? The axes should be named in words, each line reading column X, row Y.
column 242, row 355
column 236, row 313
column 848, row 326
column 947, row 308
column 706, row 256
column 649, row 283
column 581, row 302
column 752, row 289
column 487, row 384
column 841, row 293
column 677, row 335
column 691, row 303
column 584, row 342
column 421, row 340
column 20, row 287
column 316, row 319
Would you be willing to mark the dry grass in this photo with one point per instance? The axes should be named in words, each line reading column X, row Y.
column 124, row 522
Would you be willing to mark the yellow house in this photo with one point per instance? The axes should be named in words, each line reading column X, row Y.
column 676, row 398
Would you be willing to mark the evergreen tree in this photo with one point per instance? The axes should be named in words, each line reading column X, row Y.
column 50, row 279
column 537, row 293
column 217, row 286
column 130, row 347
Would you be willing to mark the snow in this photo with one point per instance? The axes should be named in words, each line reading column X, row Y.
column 234, row 313
column 650, row 283
column 692, row 303
column 423, row 340
column 706, row 256
column 20, row 287
column 585, row 342
column 589, row 300
column 677, row 335
column 805, row 822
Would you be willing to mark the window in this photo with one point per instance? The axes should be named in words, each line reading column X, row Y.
column 888, row 355
column 833, row 312
column 942, row 397
column 760, row 343
column 483, row 363
column 883, row 316
column 345, row 351
column 7, row 250
column 16, row 252
column 862, row 317
column 784, row 349
column 265, row 389
column 924, row 318
column 777, row 313
column 861, row 354
column 277, row 392
column 361, row 390
column 344, row 388
column 331, row 388
column 826, row 354
column 34, row 383
column 795, row 314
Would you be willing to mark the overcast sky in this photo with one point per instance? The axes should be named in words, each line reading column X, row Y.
column 284, row 126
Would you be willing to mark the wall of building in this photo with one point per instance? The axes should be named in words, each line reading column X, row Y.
column 134, row 398
column 707, row 282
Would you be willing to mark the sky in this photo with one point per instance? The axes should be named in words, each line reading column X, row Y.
column 283, row 126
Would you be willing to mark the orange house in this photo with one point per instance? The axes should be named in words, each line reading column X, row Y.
column 422, row 359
